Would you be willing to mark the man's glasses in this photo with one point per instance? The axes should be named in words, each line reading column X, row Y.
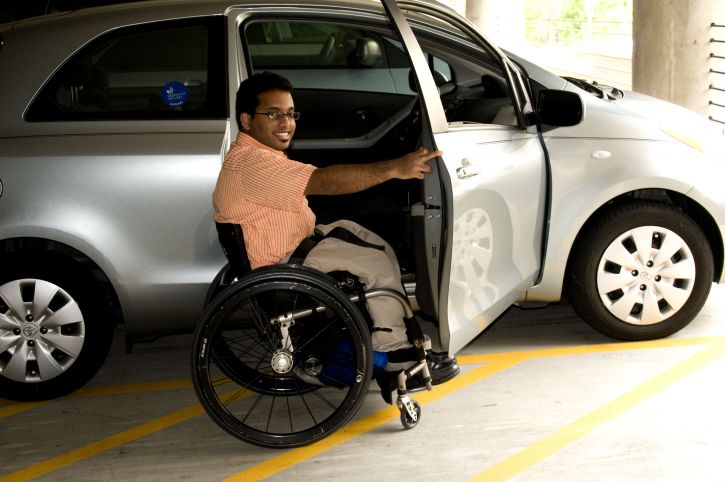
column 276, row 115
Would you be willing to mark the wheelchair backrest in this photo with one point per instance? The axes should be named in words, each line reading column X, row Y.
column 232, row 241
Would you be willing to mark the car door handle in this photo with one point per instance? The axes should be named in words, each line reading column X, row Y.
column 467, row 169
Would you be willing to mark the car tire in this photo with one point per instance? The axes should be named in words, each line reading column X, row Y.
column 641, row 271
column 55, row 327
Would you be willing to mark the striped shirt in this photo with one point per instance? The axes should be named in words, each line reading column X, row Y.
column 262, row 190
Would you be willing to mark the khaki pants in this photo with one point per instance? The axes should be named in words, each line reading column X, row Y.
column 376, row 269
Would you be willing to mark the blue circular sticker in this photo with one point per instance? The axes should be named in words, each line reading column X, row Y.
column 174, row 94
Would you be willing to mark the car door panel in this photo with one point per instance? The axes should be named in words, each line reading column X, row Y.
column 497, row 176
column 490, row 192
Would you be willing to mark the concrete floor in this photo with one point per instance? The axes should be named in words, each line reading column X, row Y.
column 542, row 397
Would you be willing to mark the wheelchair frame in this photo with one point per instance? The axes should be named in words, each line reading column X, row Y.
column 282, row 355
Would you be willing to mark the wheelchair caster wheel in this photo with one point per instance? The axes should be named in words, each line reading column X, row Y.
column 408, row 419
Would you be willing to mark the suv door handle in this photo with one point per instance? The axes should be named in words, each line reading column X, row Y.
column 467, row 169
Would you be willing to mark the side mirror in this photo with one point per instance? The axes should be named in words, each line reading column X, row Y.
column 559, row 108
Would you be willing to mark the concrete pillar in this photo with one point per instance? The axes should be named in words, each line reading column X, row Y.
column 671, row 50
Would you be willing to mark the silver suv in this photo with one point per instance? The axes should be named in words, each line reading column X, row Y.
column 115, row 121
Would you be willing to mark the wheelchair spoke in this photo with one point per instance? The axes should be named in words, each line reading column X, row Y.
column 317, row 334
column 289, row 416
column 248, row 350
column 254, row 405
column 319, row 395
column 221, row 381
column 269, row 415
column 234, row 396
column 309, row 410
column 262, row 325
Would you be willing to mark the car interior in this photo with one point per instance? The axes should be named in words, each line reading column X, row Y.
column 358, row 100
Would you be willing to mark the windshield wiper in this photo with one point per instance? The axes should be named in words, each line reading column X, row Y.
column 602, row 91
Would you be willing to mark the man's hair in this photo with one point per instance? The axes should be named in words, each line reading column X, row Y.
column 251, row 88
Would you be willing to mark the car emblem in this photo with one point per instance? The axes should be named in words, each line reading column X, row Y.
column 30, row 331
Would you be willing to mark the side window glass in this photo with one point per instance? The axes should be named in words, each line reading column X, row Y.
column 471, row 82
column 327, row 56
column 350, row 82
column 474, row 92
column 165, row 70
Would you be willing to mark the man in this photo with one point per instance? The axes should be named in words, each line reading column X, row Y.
column 264, row 191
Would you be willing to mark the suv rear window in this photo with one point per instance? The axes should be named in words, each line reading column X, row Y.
column 163, row 70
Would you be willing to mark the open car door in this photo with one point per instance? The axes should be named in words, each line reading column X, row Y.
column 483, row 209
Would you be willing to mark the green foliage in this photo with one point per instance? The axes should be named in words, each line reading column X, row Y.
column 571, row 21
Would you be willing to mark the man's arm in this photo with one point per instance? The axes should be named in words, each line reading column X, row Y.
column 350, row 178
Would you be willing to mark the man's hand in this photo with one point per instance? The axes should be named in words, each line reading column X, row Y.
column 414, row 165
column 350, row 178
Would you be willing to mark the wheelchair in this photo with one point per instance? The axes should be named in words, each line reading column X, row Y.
column 282, row 355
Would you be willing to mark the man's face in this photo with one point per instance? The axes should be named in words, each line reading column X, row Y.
column 276, row 134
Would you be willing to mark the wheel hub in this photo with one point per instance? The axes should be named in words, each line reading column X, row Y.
column 282, row 361
column 30, row 331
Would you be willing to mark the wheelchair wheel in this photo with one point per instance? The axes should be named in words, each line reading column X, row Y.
column 282, row 358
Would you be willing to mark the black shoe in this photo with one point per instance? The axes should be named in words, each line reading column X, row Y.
column 387, row 381
column 442, row 366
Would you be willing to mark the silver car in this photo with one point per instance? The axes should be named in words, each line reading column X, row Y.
column 115, row 121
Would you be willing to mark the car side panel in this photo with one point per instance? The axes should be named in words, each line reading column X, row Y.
column 588, row 173
column 138, row 204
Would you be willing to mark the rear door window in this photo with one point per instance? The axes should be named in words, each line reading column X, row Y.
column 163, row 70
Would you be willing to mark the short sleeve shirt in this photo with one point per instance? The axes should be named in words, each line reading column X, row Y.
column 262, row 190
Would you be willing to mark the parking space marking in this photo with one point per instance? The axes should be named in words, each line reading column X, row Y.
column 19, row 407
column 356, row 428
column 134, row 388
column 120, row 438
column 15, row 408
column 568, row 434
column 494, row 363
column 589, row 349
column 102, row 445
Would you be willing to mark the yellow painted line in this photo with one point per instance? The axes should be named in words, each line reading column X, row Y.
column 19, row 407
column 495, row 362
column 16, row 408
column 107, row 443
column 134, row 388
column 588, row 349
column 354, row 429
column 534, row 454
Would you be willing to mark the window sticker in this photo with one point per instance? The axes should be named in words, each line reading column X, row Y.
column 174, row 94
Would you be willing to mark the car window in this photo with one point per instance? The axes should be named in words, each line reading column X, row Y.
column 471, row 81
column 161, row 70
column 350, row 82
column 325, row 55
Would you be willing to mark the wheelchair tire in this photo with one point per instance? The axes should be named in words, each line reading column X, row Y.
column 222, row 280
column 255, row 377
